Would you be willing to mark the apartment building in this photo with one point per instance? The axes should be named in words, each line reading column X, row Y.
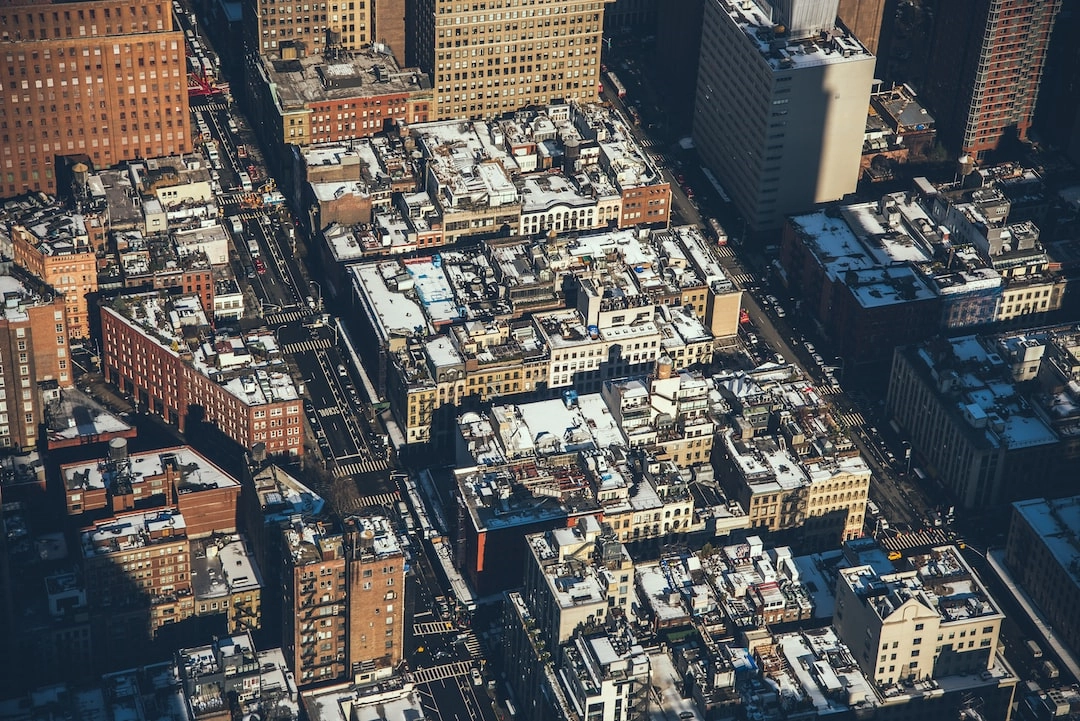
column 781, row 105
column 996, row 52
column 161, row 349
column 340, row 24
column 502, row 55
column 343, row 610
column 59, row 247
column 33, row 350
column 104, row 80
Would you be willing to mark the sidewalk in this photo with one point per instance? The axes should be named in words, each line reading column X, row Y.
column 996, row 559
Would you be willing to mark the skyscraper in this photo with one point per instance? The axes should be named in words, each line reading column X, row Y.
column 986, row 63
column 782, row 97
column 104, row 79
column 501, row 55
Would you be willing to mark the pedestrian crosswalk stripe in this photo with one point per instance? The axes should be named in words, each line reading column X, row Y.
column 472, row 644
column 215, row 107
column 741, row 279
column 829, row 390
column 429, row 628
column 373, row 465
column 724, row 251
column 853, row 419
column 438, row 673
column 379, row 499
column 286, row 317
column 307, row 345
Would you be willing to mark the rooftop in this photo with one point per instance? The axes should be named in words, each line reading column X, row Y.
column 195, row 471
column 132, row 531
column 319, row 78
column 223, row 566
column 281, row 496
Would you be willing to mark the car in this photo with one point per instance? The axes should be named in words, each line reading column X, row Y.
column 260, row 266
column 250, row 272
column 477, row 679
column 810, row 347
column 818, row 359
column 780, row 312
column 342, row 370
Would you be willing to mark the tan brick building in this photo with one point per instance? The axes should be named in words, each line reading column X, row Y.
column 511, row 55
column 103, row 79
column 67, row 263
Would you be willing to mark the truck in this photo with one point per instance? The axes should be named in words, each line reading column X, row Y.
column 1049, row 670
column 1035, row 649
column 253, row 248
column 237, row 226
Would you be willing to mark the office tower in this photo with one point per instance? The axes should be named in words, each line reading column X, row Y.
column 985, row 65
column 347, row 25
column 863, row 18
column 513, row 54
column 104, row 80
column 781, row 105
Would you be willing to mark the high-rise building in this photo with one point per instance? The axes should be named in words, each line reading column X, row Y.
column 33, row 349
column 343, row 610
column 991, row 55
column 781, row 105
column 863, row 18
column 104, row 79
column 515, row 54
column 340, row 24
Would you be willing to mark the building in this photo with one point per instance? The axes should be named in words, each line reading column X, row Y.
column 863, row 18
column 968, row 425
column 608, row 674
column 60, row 247
column 1043, row 556
column 140, row 111
column 131, row 599
column 348, row 27
column 162, row 350
column 781, row 105
column 575, row 578
column 931, row 620
column 676, row 55
column 343, row 614
column 997, row 53
column 483, row 66
column 329, row 98
column 33, row 351
column 226, row 583
column 179, row 477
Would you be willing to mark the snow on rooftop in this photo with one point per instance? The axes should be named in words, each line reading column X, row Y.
column 392, row 311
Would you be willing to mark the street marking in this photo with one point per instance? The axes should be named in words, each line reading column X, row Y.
column 367, row 465
column 286, row 317
column 853, row 419
column 307, row 345
column 438, row 673
column 379, row 499
column 429, row 628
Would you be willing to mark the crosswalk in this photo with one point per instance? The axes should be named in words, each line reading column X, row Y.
column 379, row 499
column 741, row 279
column 307, row 345
column 438, row 673
column 852, row 419
column 215, row 107
column 472, row 645
column 827, row 389
column 366, row 465
column 430, row 628
column 917, row 540
column 724, row 251
column 289, row 316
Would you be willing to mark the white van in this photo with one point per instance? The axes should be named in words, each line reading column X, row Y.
column 245, row 181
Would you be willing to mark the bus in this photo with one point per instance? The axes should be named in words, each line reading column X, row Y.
column 619, row 88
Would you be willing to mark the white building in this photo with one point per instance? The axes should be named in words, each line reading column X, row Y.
column 781, row 105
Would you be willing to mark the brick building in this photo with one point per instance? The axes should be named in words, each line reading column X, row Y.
column 103, row 79
column 163, row 351
column 181, row 477
column 33, row 349
column 996, row 52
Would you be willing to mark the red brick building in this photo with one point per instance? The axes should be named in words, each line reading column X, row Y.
column 176, row 477
column 105, row 79
column 157, row 348
column 986, row 60
column 33, row 349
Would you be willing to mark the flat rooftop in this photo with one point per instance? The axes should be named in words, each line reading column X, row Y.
column 196, row 471
column 363, row 74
